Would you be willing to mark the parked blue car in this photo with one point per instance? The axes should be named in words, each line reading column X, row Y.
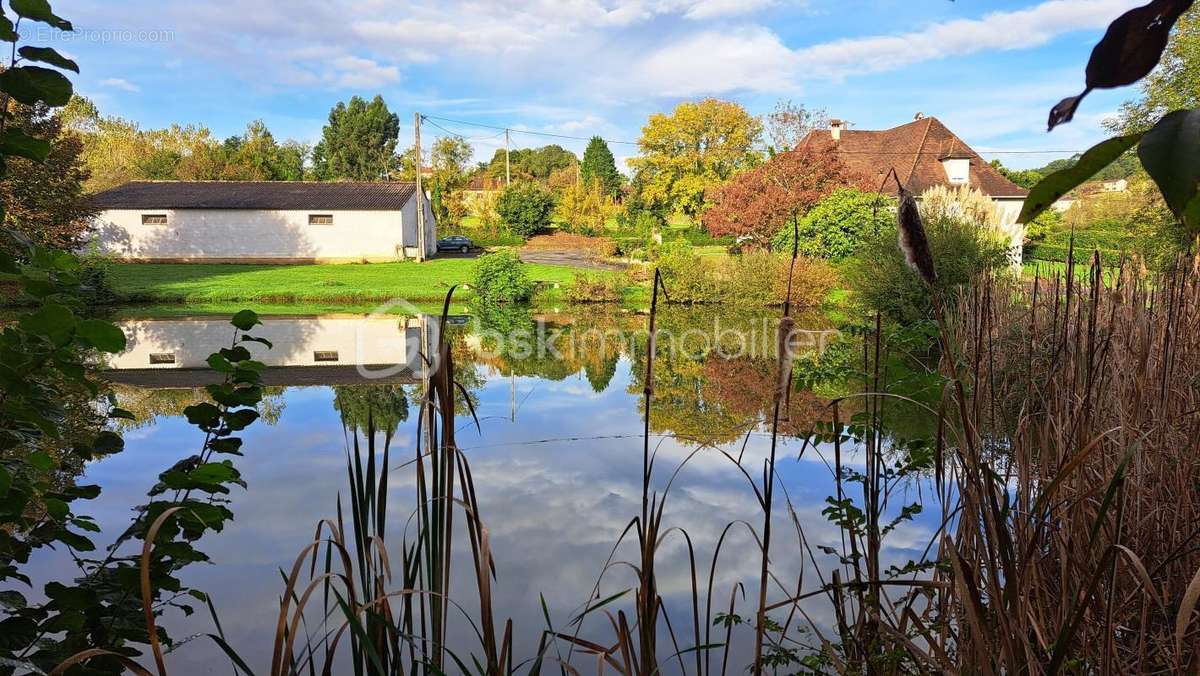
column 455, row 243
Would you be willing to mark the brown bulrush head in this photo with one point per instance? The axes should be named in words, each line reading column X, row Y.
column 913, row 242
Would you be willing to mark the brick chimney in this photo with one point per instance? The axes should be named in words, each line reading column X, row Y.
column 835, row 128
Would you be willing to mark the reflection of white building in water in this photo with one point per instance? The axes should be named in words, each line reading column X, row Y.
column 174, row 352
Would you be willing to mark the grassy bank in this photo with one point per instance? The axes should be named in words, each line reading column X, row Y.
column 315, row 286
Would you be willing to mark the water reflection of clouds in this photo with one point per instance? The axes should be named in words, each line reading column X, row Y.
column 554, row 509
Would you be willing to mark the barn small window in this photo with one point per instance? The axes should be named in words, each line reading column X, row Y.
column 325, row 355
column 162, row 357
column 320, row 219
column 154, row 219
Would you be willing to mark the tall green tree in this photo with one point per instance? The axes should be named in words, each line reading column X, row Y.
column 600, row 166
column 450, row 159
column 257, row 156
column 117, row 151
column 358, row 143
column 532, row 164
column 700, row 145
column 1026, row 178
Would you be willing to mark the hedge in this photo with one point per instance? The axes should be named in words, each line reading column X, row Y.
column 1082, row 254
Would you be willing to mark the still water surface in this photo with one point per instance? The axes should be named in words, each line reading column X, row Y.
column 556, row 461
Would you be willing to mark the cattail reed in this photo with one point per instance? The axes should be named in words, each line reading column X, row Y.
column 913, row 241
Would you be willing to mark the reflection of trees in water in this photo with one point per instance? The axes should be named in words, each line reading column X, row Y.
column 149, row 404
column 743, row 387
column 553, row 347
column 710, row 398
column 600, row 375
column 698, row 393
column 383, row 406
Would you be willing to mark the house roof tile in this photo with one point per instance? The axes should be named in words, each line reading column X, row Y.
column 915, row 150
column 275, row 195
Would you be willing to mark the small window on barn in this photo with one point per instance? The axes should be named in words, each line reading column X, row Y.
column 162, row 357
column 325, row 355
column 154, row 219
column 320, row 219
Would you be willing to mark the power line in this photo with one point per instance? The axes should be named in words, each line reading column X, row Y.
column 473, row 139
column 525, row 131
column 1022, row 151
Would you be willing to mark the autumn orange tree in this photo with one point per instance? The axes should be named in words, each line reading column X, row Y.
column 756, row 204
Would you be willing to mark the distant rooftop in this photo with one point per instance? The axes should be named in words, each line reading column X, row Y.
column 274, row 195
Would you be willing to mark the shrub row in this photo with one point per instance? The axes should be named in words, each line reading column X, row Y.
column 1082, row 253
column 757, row 278
column 589, row 287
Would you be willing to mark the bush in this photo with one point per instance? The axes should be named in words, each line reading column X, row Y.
column 962, row 249
column 1110, row 235
column 835, row 228
column 594, row 288
column 761, row 278
column 95, row 285
column 501, row 278
column 526, row 207
column 699, row 237
column 482, row 207
column 1057, row 253
column 758, row 278
column 1046, row 224
column 687, row 278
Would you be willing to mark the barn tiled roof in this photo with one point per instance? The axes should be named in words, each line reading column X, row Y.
column 915, row 150
column 279, row 195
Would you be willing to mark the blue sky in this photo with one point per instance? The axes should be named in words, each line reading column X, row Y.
column 989, row 70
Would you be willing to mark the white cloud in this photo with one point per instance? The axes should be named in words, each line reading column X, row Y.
column 712, row 62
column 996, row 31
column 708, row 9
column 353, row 72
column 585, row 124
column 120, row 83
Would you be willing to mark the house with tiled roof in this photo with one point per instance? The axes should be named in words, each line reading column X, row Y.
column 923, row 153
column 264, row 221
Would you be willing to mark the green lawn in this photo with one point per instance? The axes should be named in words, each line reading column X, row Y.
column 326, row 286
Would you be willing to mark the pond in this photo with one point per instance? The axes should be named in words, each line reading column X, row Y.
column 556, row 459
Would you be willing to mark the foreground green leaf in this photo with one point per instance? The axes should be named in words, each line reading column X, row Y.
column 54, row 322
column 48, row 55
column 102, row 335
column 1170, row 152
column 246, row 320
column 31, row 84
column 39, row 10
column 1050, row 189
column 17, row 142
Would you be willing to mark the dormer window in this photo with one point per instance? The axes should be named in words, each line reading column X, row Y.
column 958, row 169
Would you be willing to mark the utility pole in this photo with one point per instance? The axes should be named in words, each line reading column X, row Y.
column 507, row 168
column 420, row 191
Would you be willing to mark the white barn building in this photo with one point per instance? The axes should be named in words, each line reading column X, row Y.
column 263, row 222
